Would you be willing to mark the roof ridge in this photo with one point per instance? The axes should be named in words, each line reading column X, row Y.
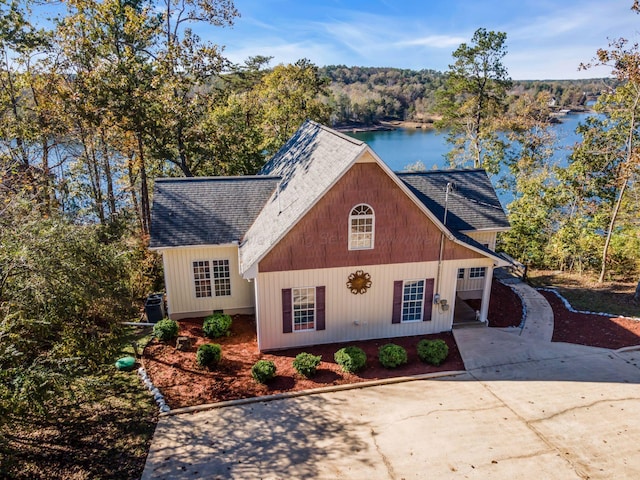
column 216, row 178
column 355, row 141
column 435, row 172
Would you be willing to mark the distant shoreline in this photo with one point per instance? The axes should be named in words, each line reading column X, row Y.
column 389, row 125
column 385, row 126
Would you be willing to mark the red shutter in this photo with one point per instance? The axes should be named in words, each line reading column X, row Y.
column 320, row 295
column 397, row 301
column 428, row 299
column 287, row 317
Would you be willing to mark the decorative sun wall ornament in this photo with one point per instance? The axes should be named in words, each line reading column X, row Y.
column 359, row 282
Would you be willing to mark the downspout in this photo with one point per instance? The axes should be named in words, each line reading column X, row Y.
column 436, row 297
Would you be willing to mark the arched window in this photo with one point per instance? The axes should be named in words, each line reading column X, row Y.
column 361, row 227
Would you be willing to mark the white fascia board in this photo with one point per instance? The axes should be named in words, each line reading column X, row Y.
column 486, row 230
column 183, row 247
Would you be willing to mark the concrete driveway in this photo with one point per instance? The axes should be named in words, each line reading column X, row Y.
column 551, row 411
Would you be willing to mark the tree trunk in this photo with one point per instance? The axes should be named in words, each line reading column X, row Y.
column 636, row 297
column 132, row 189
column 614, row 214
column 111, row 198
column 625, row 180
column 145, row 209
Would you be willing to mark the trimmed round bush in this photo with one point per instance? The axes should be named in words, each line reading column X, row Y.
column 392, row 355
column 217, row 325
column 433, row 352
column 351, row 359
column 209, row 355
column 165, row 330
column 306, row 364
column 263, row 371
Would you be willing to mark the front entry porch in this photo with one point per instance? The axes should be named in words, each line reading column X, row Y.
column 465, row 316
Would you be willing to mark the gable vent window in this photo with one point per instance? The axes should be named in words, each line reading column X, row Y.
column 361, row 227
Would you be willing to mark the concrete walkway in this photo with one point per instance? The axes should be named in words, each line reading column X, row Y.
column 525, row 408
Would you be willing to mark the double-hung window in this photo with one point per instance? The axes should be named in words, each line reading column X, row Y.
column 412, row 300
column 204, row 271
column 361, row 227
column 221, row 278
column 202, row 278
column 304, row 308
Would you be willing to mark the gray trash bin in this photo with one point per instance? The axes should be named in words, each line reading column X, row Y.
column 154, row 308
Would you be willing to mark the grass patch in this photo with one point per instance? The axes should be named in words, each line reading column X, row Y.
column 585, row 293
column 102, row 432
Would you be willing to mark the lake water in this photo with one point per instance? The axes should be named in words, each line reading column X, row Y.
column 402, row 147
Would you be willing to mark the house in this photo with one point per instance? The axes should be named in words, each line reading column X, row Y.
column 327, row 244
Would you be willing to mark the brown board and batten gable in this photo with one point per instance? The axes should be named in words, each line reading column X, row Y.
column 403, row 233
column 310, row 165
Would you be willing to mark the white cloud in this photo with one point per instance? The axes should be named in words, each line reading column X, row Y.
column 435, row 41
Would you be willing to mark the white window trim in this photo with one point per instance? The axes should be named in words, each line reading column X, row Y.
column 293, row 310
column 372, row 216
column 193, row 276
column 464, row 274
column 213, row 277
column 404, row 283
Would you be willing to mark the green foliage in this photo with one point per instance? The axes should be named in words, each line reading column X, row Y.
column 166, row 330
column 290, row 94
column 306, row 364
column 217, row 325
column 63, row 292
column 351, row 359
column 209, row 355
column 392, row 356
column 263, row 371
column 433, row 352
column 473, row 99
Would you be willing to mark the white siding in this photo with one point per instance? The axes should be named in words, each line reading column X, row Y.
column 178, row 276
column 353, row 317
column 474, row 286
column 485, row 238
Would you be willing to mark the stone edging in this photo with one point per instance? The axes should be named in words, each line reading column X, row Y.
column 157, row 396
column 571, row 309
column 312, row 391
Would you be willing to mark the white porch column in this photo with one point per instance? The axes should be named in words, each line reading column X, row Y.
column 486, row 294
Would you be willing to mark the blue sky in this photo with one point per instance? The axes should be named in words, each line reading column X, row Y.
column 546, row 39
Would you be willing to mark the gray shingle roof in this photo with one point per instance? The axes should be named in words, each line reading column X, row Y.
column 259, row 210
column 308, row 164
column 473, row 203
column 206, row 210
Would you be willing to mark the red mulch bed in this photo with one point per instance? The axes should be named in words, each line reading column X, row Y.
column 184, row 383
column 590, row 329
column 505, row 306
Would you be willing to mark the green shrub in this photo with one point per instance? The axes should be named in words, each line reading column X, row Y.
column 165, row 330
column 351, row 359
column 306, row 364
column 217, row 325
column 263, row 371
column 433, row 352
column 392, row 356
column 209, row 355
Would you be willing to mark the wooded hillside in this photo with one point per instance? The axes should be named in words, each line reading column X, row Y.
column 367, row 95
